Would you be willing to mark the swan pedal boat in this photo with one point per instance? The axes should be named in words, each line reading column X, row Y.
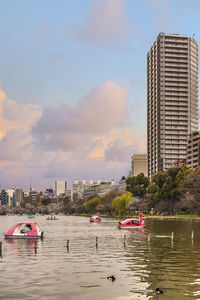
column 132, row 222
column 24, row 230
column 95, row 219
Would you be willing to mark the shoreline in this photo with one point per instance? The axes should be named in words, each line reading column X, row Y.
column 159, row 217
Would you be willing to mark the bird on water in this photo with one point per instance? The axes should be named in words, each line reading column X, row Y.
column 111, row 278
column 159, row 291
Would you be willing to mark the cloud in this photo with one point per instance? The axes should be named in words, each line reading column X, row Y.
column 15, row 116
column 67, row 129
column 192, row 4
column 57, row 56
column 120, row 152
column 105, row 22
column 45, row 31
column 95, row 169
column 91, row 140
column 160, row 13
column 15, row 145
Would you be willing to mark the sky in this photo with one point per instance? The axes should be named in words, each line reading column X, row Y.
column 73, row 85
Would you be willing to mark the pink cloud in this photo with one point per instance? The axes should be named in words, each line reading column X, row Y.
column 67, row 128
column 15, row 145
column 91, row 140
column 105, row 22
column 14, row 115
column 118, row 151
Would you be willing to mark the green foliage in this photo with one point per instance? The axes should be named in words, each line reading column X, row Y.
column 91, row 205
column 192, row 186
column 120, row 203
column 46, row 201
column 167, row 185
column 137, row 185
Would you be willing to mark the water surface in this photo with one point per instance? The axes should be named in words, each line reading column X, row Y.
column 80, row 272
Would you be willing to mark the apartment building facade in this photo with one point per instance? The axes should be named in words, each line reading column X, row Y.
column 139, row 164
column 172, row 99
column 193, row 150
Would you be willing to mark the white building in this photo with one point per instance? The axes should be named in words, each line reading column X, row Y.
column 10, row 193
column 60, row 187
column 18, row 198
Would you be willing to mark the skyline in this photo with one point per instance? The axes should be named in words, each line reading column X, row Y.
column 73, row 85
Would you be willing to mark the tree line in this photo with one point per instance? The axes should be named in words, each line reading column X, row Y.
column 175, row 191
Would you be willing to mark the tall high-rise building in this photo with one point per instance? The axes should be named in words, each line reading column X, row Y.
column 172, row 99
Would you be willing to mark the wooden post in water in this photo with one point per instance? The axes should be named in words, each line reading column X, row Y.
column 192, row 235
column 96, row 241
column 149, row 237
column 35, row 246
column 1, row 248
column 124, row 241
column 172, row 236
column 67, row 244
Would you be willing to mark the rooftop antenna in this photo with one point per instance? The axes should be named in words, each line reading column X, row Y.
column 30, row 183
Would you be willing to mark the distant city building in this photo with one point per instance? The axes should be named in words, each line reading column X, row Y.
column 49, row 191
column 139, row 164
column 19, row 196
column 4, row 198
column 193, row 150
column 90, row 189
column 10, row 193
column 60, row 187
column 15, row 196
column 172, row 99
column 93, row 190
column 79, row 186
column 32, row 192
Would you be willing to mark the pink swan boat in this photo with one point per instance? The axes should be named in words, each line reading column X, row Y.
column 95, row 218
column 132, row 223
column 24, row 230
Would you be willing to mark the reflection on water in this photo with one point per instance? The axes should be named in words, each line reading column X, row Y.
column 141, row 259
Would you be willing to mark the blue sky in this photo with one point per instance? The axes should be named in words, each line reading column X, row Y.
column 64, row 62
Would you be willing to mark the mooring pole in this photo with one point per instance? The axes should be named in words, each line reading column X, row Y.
column 96, row 241
column 1, row 248
column 124, row 239
column 149, row 237
column 67, row 244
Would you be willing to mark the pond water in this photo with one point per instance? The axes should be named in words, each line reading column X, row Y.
column 80, row 272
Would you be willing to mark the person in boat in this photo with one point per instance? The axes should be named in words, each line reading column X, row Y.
column 26, row 229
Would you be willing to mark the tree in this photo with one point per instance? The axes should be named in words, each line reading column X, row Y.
column 106, row 199
column 137, row 185
column 165, row 190
column 120, row 203
column 192, row 186
column 46, row 201
column 90, row 205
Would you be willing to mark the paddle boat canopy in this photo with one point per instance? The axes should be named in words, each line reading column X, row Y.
column 95, row 218
column 132, row 222
column 27, row 230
